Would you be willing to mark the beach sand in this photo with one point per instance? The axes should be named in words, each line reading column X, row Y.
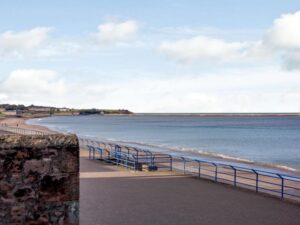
column 20, row 122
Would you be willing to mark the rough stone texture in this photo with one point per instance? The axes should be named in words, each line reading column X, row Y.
column 39, row 180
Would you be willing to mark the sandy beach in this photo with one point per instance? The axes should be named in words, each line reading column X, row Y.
column 21, row 123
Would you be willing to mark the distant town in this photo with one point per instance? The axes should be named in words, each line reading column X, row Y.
column 13, row 110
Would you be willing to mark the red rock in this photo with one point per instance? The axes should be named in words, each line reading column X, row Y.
column 39, row 179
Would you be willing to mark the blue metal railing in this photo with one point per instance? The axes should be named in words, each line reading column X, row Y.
column 282, row 185
column 24, row 131
column 259, row 180
column 112, row 155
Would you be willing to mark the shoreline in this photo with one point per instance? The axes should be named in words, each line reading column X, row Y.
column 210, row 156
column 21, row 123
column 216, row 114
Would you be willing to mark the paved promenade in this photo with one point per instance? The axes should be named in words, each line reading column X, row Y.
column 111, row 195
column 3, row 132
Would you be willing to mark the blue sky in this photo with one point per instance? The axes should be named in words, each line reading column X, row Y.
column 75, row 17
column 152, row 56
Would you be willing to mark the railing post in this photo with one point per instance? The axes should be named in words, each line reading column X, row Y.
column 89, row 151
column 151, row 158
column 183, row 165
column 199, row 168
column 135, row 163
column 216, row 172
column 282, row 185
column 234, row 178
column 256, row 180
column 94, row 150
column 101, row 152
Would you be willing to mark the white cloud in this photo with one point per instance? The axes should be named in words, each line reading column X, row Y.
column 35, row 42
column 114, row 32
column 240, row 90
column 59, row 48
column 35, row 85
column 281, row 40
column 47, row 87
column 23, row 42
column 27, row 78
column 292, row 60
column 202, row 48
column 284, row 33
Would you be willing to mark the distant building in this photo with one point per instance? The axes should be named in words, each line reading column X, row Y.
column 63, row 109
column 39, row 109
column 19, row 112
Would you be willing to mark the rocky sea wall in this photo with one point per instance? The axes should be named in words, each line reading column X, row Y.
column 39, row 179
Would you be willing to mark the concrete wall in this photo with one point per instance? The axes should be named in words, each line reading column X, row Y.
column 39, row 179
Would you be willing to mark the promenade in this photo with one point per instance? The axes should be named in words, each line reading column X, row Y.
column 112, row 195
column 3, row 132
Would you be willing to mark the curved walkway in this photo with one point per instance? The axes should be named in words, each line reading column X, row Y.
column 111, row 195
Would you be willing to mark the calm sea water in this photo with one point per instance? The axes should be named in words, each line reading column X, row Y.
column 271, row 140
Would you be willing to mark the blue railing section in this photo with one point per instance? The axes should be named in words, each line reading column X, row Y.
column 24, row 131
column 282, row 185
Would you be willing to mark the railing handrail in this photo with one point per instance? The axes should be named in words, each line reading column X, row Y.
column 259, row 171
column 23, row 131
column 189, row 159
column 215, row 170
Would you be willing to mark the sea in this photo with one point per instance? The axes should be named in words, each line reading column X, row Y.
column 261, row 140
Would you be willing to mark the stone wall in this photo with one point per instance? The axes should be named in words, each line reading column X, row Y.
column 39, row 179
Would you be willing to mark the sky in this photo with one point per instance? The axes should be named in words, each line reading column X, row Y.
column 152, row 56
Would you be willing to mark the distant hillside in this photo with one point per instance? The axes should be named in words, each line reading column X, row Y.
column 22, row 110
column 103, row 111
